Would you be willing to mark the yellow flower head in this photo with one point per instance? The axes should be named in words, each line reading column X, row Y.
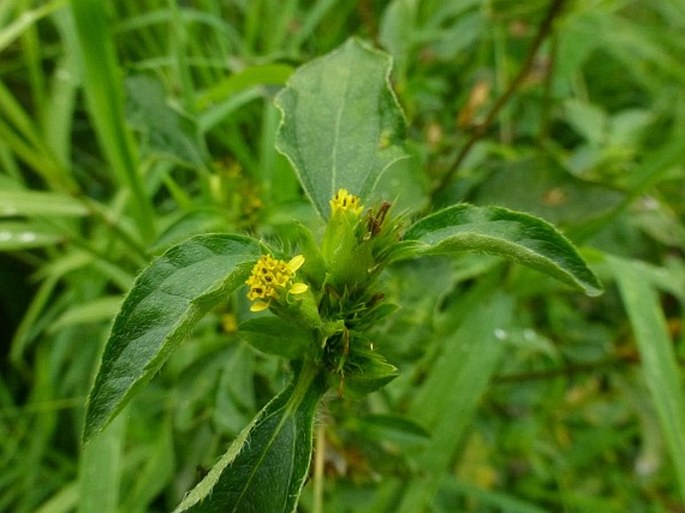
column 344, row 201
column 271, row 278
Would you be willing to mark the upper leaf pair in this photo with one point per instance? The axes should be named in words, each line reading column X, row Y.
column 343, row 128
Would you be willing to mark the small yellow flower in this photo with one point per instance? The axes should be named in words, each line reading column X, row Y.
column 272, row 278
column 344, row 201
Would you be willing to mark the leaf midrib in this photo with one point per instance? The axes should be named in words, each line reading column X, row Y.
column 336, row 135
column 299, row 393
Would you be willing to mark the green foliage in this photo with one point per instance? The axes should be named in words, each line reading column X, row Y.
column 498, row 231
column 660, row 365
column 266, row 473
column 265, row 467
column 166, row 301
column 429, row 373
column 342, row 126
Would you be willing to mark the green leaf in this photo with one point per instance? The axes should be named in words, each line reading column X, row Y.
column 391, row 428
column 342, row 126
column 166, row 301
column 448, row 400
column 97, row 310
column 18, row 202
column 273, row 335
column 9, row 33
column 104, row 98
column 659, row 363
column 498, row 231
column 16, row 235
column 166, row 131
column 100, row 470
column 266, row 465
column 152, row 476
column 366, row 372
column 254, row 76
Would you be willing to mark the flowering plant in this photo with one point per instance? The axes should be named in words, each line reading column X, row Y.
column 342, row 128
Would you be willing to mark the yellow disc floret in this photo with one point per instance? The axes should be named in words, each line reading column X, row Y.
column 271, row 279
column 344, row 201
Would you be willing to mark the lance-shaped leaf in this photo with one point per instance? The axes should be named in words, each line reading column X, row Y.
column 659, row 361
column 166, row 301
column 342, row 126
column 266, row 465
column 19, row 202
column 499, row 231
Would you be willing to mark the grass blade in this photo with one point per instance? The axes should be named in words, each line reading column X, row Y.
column 449, row 398
column 105, row 104
column 659, row 364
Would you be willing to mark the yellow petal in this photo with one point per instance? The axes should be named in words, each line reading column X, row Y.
column 258, row 306
column 298, row 288
column 295, row 263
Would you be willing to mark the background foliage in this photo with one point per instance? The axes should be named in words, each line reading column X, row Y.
column 128, row 128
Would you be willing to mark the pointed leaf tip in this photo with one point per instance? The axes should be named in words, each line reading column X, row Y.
column 498, row 231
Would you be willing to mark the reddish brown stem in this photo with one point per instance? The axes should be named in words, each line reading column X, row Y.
column 480, row 130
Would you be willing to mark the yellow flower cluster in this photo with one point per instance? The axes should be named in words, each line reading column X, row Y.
column 344, row 201
column 270, row 277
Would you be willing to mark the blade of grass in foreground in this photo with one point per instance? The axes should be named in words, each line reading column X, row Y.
column 659, row 365
column 448, row 400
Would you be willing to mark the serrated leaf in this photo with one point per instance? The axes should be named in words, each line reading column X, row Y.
column 498, row 231
column 342, row 126
column 166, row 301
column 266, row 465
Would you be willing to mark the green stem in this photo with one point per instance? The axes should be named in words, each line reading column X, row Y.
column 319, row 461
column 306, row 376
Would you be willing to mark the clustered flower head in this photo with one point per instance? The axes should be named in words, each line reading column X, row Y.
column 344, row 201
column 272, row 279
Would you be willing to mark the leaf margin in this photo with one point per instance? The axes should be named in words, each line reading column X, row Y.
column 101, row 411
column 285, row 148
column 574, row 272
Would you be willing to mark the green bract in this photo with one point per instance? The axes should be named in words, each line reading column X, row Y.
column 341, row 129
